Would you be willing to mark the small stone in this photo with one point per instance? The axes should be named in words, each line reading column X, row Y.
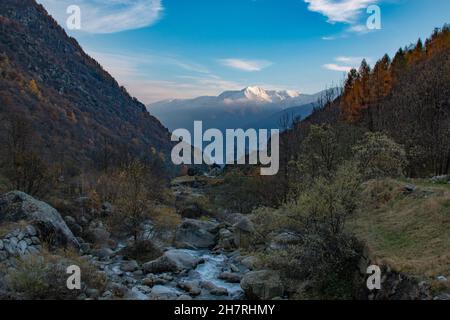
column 21, row 235
column 35, row 240
column 22, row 246
column 129, row 266
column 234, row 268
column 442, row 279
column 214, row 290
column 31, row 231
column 230, row 277
column 11, row 249
column 3, row 256
column 13, row 241
column 138, row 273
column 28, row 241
column 1, row 245
column 32, row 250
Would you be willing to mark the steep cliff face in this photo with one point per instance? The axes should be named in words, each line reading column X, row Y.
column 73, row 104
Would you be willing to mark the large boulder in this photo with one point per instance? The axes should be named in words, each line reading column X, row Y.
column 262, row 285
column 172, row 261
column 196, row 234
column 16, row 206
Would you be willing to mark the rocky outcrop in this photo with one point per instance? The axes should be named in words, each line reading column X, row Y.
column 16, row 206
column 196, row 234
column 171, row 261
column 20, row 242
column 262, row 285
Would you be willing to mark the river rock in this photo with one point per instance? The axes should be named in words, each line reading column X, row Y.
column 129, row 266
column 164, row 293
column 196, row 234
column 262, row 285
column 249, row 262
column 192, row 287
column 213, row 289
column 230, row 277
column 16, row 206
column 171, row 261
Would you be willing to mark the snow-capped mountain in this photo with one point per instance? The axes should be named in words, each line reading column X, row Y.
column 257, row 95
column 231, row 109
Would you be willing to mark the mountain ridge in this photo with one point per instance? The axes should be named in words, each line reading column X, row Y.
column 230, row 109
column 71, row 101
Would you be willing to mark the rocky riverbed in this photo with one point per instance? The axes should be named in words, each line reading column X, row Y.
column 203, row 260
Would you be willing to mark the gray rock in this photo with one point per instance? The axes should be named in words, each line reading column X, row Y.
column 97, row 233
column 262, row 285
column 3, row 256
column 31, row 231
column 230, row 277
column 213, row 289
column 129, row 266
column 118, row 290
column 21, row 235
column 410, row 188
column 73, row 225
column 22, row 247
column 191, row 287
column 442, row 279
column 18, row 206
column 196, row 234
column 10, row 248
column 1, row 245
column 35, row 240
column 32, row 250
column 245, row 225
column 283, row 240
column 171, row 261
column 164, row 293
column 103, row 253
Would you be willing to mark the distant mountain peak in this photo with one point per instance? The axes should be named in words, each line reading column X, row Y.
column 256, row 94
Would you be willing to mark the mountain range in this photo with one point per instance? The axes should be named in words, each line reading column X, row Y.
column 247, row 108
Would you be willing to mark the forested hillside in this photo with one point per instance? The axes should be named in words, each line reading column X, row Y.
column 75, row 108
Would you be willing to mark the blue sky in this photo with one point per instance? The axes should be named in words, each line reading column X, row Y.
column 162, row 49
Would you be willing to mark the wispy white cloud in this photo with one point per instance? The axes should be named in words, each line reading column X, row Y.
column 107, row 16
column 336, row 67
column 246, row 65
column 346, row 11
column 345, row 63
column 132, row 71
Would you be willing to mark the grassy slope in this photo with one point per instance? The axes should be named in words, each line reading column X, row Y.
column 411, row 232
